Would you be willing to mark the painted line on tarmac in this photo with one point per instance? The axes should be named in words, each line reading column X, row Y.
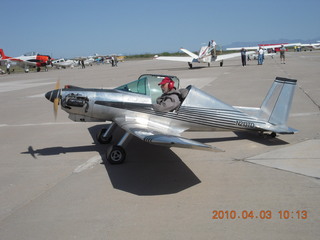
column 41, row 95
column 88, row 164
column 36, row 124
column 21, row 85
column 304, row 114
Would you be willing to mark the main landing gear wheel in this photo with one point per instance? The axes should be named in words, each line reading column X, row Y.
column 117, row 155
column 273, row 134
column 102, row 139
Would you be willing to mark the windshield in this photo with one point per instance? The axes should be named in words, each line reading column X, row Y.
column 147, row 84
column 138, row 86
column 30, row 54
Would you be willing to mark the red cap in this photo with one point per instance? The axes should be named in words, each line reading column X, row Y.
column 165, row 80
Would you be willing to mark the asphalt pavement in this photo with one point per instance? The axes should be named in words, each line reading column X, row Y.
column 55, row 183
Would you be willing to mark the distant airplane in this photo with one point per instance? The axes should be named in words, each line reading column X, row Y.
column 311, row 45
column 269, row 49
column 207, row 54
column 64, row 63
column 88, row 61
column 266, row 46
column 31, row 59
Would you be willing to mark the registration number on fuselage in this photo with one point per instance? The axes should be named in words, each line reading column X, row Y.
column 245, row 124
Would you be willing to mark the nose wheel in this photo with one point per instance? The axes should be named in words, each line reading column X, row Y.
column 117, row 154
column 101, row 138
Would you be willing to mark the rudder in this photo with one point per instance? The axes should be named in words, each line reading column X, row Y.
column 277, row 104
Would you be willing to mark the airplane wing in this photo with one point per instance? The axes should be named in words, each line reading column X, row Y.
column 19, row 62
column 230, row 55
column 239, row 48
column 154, row 136
column 264, row 47
column 28, row 63
column 177, row 59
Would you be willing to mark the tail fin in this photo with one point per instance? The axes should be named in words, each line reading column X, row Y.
column 2, row 53
column 276, row 106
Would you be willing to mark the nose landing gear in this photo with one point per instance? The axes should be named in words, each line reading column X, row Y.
column 117, row 154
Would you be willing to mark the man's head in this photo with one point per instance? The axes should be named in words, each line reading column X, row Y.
column 166, row 84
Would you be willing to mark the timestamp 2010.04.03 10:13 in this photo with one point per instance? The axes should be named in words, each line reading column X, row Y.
column 260, row 214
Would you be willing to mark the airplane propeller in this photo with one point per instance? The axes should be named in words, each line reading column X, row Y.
column 55, row 97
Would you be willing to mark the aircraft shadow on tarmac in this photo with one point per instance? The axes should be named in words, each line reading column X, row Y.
column 148, row 169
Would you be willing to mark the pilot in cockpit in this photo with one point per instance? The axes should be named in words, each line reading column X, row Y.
column 170, row 98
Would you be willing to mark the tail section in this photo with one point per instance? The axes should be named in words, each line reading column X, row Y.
column 2, row 55
column 277, row 104
column 205, row 53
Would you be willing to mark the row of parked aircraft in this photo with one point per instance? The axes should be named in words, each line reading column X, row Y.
column 36, row 60
column 207, row 54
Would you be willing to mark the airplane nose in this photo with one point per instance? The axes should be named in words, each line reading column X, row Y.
column 52, row 95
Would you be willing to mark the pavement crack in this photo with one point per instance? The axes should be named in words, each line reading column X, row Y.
column 311, row 99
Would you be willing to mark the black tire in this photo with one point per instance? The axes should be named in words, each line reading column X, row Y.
column 117, row 155
column 273, row 134
column 101, row 139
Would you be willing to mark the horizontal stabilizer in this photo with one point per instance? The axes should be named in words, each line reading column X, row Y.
column 191, row 54
column 278, row 129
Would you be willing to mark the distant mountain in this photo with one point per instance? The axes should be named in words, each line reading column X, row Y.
column 281, row 40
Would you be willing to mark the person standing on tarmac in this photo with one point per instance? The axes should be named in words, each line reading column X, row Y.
column 282, row 56
column 243, row 57
column 260, row 56
column 8, row 67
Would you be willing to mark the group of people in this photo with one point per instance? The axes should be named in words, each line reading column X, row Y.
column 261, row 55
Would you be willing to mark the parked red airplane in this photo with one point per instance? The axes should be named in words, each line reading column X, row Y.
column 31, row 59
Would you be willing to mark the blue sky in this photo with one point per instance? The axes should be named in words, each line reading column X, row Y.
column 70, row 28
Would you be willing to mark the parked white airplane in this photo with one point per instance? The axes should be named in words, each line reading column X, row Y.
column 88, row 61
column 311, row 45
column 63, row 63
column 266, row 48
column 207, row 54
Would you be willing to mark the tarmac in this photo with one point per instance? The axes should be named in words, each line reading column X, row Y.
column 55, row 183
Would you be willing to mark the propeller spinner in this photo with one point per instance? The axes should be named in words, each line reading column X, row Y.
column 55, row 96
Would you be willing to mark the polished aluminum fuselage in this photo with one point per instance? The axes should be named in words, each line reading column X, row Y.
column 199, row 111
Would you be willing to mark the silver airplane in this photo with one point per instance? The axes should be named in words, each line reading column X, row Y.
column 130, row 107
